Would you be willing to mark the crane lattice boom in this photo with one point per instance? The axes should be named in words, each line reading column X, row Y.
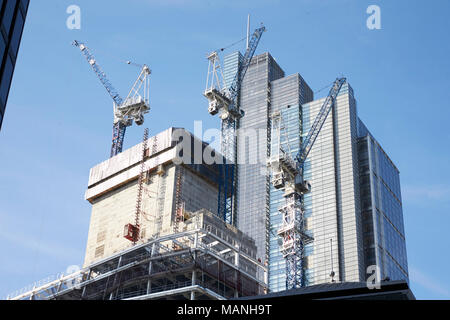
column 100, row 74
column 125, row 111
column 287, row 175
column 238, row 78
column 319, row 121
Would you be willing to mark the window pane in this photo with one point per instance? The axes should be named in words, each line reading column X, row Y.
column 15, row 40
column 2, row 47
column 8, row 14
column 6, row 80
column 25, row 4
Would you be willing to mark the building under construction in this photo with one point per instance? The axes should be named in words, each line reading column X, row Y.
column 323, row 205
column 183, row 249
column 208, row 260
column 166, row 193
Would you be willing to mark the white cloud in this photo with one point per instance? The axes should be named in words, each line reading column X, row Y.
column 428, row 282
column 436, row 192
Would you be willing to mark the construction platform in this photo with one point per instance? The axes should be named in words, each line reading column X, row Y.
column 207, row 260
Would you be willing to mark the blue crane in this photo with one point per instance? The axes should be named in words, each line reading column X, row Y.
column 226, row 101
column 125, row 111
column 319, row 121
column 234, row 89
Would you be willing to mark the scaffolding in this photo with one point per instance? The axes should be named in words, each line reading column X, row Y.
column 203, row 263
column 132, row 232
column 179, row 204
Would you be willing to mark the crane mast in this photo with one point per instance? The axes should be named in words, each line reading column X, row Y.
column 126, row 111
column 287, row 175
column 224, row 100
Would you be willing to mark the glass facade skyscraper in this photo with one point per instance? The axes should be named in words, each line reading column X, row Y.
column 381, row 209
column 12, row 21
column 333, row 206
column 253, row 184
column 353, row 211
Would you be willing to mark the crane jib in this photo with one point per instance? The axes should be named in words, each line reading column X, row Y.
column 125, row 111
column 238, row 78
column 226, row 100
column 319, row 122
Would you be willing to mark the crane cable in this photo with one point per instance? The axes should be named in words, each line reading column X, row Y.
column 231, row 45
column 117, row 58
column 326, row 87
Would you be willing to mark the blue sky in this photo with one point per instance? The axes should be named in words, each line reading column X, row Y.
column 58, row 119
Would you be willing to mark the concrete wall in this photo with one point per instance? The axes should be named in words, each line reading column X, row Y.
column 113, row 187
column 198, row 193
column 112, row 211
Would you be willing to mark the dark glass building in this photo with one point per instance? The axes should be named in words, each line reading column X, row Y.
column 12, row 21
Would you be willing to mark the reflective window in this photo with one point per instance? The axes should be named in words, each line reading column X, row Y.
column 12, row 20
column 15, row 39
column 6, row 80
column 25, row 4
column 383, row 228
column 8, row 14
column 2, row 47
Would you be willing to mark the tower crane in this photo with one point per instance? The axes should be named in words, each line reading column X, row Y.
column 224, row 101
column 126, row 111
column 288, row 175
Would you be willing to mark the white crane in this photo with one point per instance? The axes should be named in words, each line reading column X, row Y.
column 287, row 175
column 126, row 111
column 224, row 100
